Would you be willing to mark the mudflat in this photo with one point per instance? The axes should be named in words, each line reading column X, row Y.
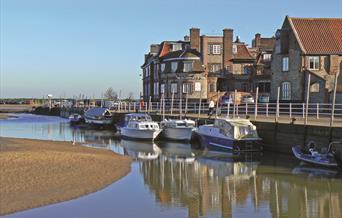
column 36, row 172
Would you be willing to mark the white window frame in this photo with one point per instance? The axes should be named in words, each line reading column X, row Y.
column 187, row 87
column 156, row 88
column 162, row 67
column 286, row 91
column 285, row 64
column 162, row 88
column 174, row 66
column 315, row 61
column 198, row 86
column 188, row 65
column 216, row 49
column 267, row 57
column 174, row 88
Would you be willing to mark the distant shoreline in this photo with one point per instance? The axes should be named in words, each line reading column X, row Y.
column 16, row 108
column 36, row 173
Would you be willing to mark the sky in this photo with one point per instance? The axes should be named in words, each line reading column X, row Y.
column 67, row 48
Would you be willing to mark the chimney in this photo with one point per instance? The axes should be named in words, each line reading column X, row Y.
column 186, row 38
column 154, row 48
column 227, row 48
column 257, row 40
column 195, row 38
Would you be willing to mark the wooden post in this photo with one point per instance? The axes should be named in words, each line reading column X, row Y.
column 149, row 105
column 317, row 111
column 186, row 103
column 266, row 109
column 180, row 106
column 246, row 109
column 256, row 103
column 277, row 110
column 333, row 101
column 303, row 110
column 228, row 108
column 307, row 100
column 135, row 106
column 163, row 97
column 199, row 106
column 217, row 102
column 290, row 110
column 234, row 103
column 172, row 98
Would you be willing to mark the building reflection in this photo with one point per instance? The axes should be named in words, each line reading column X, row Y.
column 218, row 185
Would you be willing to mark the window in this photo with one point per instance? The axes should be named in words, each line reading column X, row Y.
column 285, row 64
column 234, row 49
column 176, row 47
column 162, row 88
column 187, row 66
column 246, row 70
column 314, row 63
column 156, row 88
column 215, row 49
column 314, row 87
column 174, row 87
column 187, row 88
column 212, row 87
column 286, row 91
column 162, row 67
column 174, row 66
column 197, row 86
column 267, row 57
column 214, row 68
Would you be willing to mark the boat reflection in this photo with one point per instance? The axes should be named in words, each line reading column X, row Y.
column 141, row 150
column 178, row 151
column 317, row 172
column 217, row 184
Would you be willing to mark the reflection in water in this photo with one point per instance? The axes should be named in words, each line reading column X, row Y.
column 206, row 183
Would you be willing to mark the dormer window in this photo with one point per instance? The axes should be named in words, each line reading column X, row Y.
column 215, row 49
column 313, row 62
column 234, row 49
column 162, row 67
column 187, row 67
column 174, row 66
column 267, row 57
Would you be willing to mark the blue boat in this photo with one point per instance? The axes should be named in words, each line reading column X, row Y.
column 235, row 135
column 309, row 154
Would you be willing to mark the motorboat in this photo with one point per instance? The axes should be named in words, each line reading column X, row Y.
column 140, row 126
column 235, row 135
column 177, row 129
column 98, row 116
column 76, row 119
column 310, row 154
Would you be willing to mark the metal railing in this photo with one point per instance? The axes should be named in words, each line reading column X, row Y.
column 312, row 111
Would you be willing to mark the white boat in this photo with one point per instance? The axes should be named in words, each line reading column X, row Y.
column 230, row 134
column 98, row 116
column 140, row 126
column 177, row 129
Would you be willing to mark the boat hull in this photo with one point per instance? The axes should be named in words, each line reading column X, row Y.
column 138, row 134
column 181, row 134
column 220, row 143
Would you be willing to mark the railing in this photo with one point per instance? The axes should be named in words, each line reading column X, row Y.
column 290, row 111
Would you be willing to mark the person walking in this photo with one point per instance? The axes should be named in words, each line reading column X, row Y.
column 211, row 107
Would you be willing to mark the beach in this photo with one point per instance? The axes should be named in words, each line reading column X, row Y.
column 35, row 173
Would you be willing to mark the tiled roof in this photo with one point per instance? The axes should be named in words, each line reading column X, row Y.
column 242, row 52
column 318, row 35
column 181, row 54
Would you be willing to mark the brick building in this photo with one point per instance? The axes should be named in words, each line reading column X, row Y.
column 307, row 46
column 201, row 65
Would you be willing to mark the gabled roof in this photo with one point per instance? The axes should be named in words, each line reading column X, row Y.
column 318, row 35
column 242, row 52
column 188, row 53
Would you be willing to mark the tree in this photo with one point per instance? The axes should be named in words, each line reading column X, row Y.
column 110, row 94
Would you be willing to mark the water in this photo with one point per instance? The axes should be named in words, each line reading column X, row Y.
column 174, row 180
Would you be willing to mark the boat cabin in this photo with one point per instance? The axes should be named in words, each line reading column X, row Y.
column 98, row 113
column 236, row 128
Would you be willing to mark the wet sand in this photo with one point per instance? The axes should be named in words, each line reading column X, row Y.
column 3, row 116
column 36, row 173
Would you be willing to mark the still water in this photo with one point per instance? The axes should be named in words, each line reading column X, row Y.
column 175, row 180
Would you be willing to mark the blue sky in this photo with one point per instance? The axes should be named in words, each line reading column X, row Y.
column 68, row 48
